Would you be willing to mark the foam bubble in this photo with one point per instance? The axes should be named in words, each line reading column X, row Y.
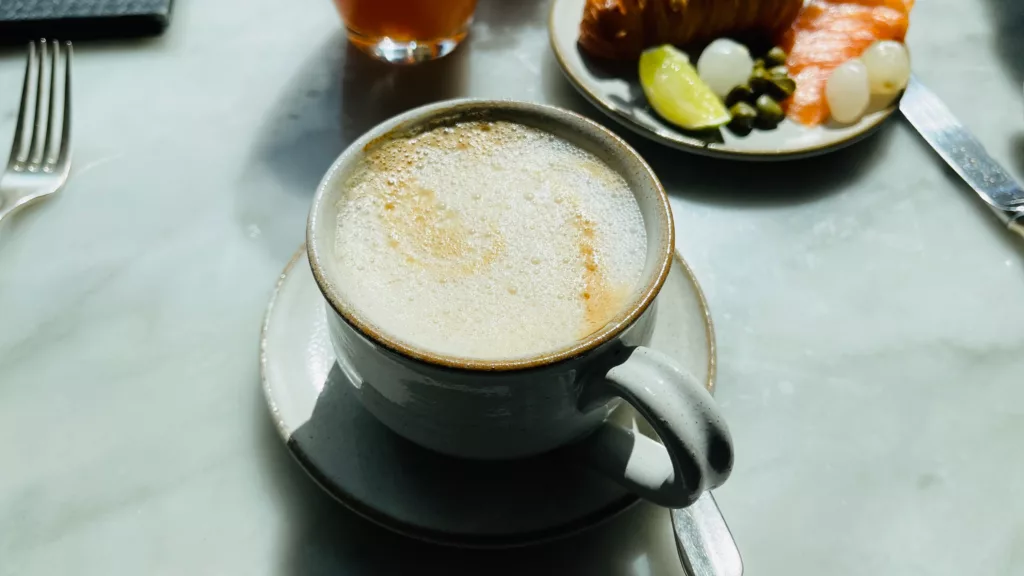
column 487, row 240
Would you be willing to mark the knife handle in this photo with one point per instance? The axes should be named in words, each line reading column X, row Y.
column 1017, row 225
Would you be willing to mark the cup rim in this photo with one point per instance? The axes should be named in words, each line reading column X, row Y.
column 438, row 109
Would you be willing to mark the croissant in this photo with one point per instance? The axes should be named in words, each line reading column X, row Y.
column 622, row 29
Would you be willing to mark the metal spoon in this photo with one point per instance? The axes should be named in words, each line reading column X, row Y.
column 705, row 544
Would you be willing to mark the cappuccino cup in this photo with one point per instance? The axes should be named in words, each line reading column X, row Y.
column 490, row 270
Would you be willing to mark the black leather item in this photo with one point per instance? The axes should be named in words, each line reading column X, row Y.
column 21, row 20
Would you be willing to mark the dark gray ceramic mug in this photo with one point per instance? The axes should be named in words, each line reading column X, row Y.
column 508, row 409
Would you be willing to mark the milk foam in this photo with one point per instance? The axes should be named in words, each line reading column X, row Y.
column 487, row 240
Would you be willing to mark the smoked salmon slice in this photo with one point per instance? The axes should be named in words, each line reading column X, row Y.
column 828, row 33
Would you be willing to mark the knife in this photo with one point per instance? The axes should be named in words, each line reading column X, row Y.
column 962, row 151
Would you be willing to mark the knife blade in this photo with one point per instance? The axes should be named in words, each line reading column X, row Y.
column 964, row 153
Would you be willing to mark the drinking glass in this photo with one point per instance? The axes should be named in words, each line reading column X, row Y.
column 406, row 31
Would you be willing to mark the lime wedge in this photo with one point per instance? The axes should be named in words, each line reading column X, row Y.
column 676, row 91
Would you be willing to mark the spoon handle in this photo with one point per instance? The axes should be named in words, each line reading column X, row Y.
column 705, row 544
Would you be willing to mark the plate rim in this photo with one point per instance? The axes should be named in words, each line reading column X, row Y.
column 388, row 522
column 693, row 145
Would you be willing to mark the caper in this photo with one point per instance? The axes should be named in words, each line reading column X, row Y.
column 740, row 128
column 759, row 71
column 775, row 57
column 741, row 93
column 785, row 86
column 769, row 113
column 760, row 85
column 778, row 72
column 743, row 117
column 743, row 110
column 777, row 88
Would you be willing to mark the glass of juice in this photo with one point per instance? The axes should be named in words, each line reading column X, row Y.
column 406, row 31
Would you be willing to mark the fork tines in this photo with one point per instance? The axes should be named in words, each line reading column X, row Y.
column 45, row 109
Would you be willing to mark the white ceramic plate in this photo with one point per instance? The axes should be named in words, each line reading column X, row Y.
column 622, row 98
column 409, row 489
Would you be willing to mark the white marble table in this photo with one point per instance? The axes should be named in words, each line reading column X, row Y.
column 870, row 314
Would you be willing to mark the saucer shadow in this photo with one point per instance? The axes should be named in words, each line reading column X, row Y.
column 336, row 96
column 757, row 185
column 326, row 537
column 398, row 483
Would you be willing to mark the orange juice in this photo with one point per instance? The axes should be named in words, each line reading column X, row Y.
column 431, row 24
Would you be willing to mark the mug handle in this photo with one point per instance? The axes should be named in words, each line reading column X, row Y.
column 696, row 452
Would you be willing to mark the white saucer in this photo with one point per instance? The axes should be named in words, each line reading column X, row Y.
column 421, row 493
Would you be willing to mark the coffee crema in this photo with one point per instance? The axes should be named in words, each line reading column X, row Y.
column 487, row 240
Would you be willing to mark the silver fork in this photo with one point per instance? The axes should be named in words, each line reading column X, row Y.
column 40, row 156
